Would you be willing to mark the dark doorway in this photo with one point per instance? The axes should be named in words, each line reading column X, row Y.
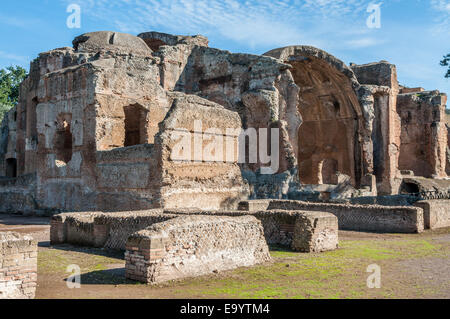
column 63, row 143
column 135, row 125
column 11, row 168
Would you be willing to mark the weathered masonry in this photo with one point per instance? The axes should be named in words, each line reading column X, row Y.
column 97, row 127
column 18, row 266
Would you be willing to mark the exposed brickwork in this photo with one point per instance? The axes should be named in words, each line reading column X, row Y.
column 298, row 230
column 105, row 230
column 18, row 266
column 355, row 217
column 436, row 213
column 193, row 246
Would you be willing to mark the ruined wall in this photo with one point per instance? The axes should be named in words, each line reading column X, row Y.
column 447, row 168
column 18, row 195
column 8, row 136
column 436, row 213
column 380, row 79
column 194, row 246
column 18, row 266
column 423, row 133
column 353, row 217
column 137, row 169
column 259, row 89
column 330, row 131
column 102, row 230
column 198, row 153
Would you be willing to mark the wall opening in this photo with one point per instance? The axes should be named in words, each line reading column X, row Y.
column 11, row 168
column 154, row 44
column 328, row 170
column 328, row 137
column 32, row 123
column 63, row 143
column 409, row 188
column 135, row 125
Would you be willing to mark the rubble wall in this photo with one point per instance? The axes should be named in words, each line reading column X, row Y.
column 436, row 213
column 18, row 266
column 374, row 218
column 102, row 230
column 194, row 246
column 423, row 133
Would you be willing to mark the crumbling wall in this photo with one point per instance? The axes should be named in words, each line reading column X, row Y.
column 197, row 150
column 370, row 218
column 447, row 168
column 328, row 137
column 194, row 246
column 8, row 135
column 18, row 266
column 379, row 90
column 102, row 230
column 18, row 195
column 423, row 133
column 260, row 89
column 137, row 169
column 299, row 230
column 436, row 213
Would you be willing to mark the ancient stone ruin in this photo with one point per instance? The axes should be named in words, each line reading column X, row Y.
column 18, row 266
column 134, row 138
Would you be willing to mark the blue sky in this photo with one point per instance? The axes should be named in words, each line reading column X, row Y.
column 414, row 34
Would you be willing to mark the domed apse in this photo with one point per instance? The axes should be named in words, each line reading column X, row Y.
column 327, row 138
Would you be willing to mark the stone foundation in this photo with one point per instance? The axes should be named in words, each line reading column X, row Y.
column 299, row 230
column 193, row 246
column 18, row 266
column 436, row 213
column 372, row 218
column 102, row 230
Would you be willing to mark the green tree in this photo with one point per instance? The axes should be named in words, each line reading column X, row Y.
column 446, row 62
column 10, row 79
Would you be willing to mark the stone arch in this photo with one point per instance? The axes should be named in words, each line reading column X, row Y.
column 332, row 118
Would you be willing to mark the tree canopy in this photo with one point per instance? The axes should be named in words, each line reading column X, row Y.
column 446, row 62
column 10, row 79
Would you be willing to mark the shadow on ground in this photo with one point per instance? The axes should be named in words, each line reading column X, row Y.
column 115, row 276
column 87, row 250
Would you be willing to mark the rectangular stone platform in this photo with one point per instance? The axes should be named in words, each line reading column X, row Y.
column 102, row 230
column 18, row 266
column 436, row 213
column 191, row 246
column 298, row 230
column 372, row 218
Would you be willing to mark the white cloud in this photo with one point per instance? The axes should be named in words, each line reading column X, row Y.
column 363, row 43
column 257, row 23
column 443, row 17
column 13, row 57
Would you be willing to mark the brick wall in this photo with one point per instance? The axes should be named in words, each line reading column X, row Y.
column 299, row 230
column 354, row 217
column 436, row 213
column 105, row 230
column 18, row 266
column 192, row 246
